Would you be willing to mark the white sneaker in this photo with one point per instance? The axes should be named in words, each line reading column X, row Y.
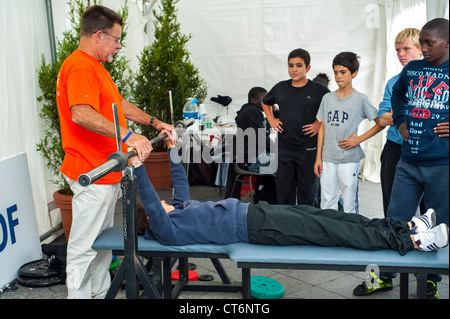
column 424, row 222
column 433, row 239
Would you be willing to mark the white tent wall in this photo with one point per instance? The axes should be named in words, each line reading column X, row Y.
column 23, row 39
column 236, row 45
column 437, row 9
column 136, row 37
column 246, row 44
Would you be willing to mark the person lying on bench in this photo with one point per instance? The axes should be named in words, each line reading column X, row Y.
column 232, row 221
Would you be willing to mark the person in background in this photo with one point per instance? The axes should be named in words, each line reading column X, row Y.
column 338, row 148
column 407, row 46
column 298, row 100
column 408, row 49
column 420, row 112
column 251, row 117
column 323, row 79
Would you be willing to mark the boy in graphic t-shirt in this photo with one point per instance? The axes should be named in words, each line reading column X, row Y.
column 338, row 150
column 422, row 120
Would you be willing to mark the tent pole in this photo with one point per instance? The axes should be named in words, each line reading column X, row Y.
column 51, row 31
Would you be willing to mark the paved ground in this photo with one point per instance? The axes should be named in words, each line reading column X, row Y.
column 298, row 284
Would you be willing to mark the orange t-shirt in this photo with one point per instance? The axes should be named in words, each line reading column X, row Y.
column 83, row 80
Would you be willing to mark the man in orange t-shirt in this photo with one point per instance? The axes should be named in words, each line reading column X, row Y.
column 85, row 94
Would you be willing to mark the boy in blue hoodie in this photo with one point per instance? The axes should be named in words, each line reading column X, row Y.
column 407, row 46
column 420, row 111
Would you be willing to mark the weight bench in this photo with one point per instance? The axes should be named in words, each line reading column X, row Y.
column 248, row 256
column 113, row 239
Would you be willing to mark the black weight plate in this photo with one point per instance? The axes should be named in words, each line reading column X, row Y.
column 39, row 269
column 206, row 277
column 40, row 282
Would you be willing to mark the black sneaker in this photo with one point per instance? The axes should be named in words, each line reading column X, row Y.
column 432, row 292
column 382, row 285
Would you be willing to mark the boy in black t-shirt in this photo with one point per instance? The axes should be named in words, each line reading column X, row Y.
column 298, row 100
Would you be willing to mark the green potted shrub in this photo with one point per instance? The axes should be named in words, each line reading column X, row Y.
column 165, row 66
column 50, row 146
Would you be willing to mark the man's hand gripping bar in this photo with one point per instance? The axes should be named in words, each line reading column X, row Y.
column 118, row 161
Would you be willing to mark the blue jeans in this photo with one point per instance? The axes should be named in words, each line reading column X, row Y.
column 415, row 183
column 412, row 183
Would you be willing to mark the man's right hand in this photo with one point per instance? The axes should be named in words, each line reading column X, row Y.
column 135, row 161
column 141, row 144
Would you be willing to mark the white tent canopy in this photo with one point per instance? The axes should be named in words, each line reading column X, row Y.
column 236, row 45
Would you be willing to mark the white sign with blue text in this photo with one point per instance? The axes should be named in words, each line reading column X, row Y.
column 19, row 237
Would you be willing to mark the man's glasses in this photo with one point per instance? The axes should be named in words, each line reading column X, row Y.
column 117, row 40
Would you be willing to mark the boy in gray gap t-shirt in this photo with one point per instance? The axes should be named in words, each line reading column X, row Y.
column 341, row 117
column 338, row 147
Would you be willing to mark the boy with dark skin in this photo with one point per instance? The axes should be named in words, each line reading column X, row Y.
column 420, row 111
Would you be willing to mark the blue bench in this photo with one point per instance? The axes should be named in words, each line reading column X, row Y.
column 112, row 239
column 248, row 256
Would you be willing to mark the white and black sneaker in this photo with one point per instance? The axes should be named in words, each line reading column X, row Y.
column 433, row 239
column 424, row 222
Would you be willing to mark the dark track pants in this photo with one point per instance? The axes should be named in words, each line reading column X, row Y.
column 286, row 225
column 389, row 159
column 295, row 177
